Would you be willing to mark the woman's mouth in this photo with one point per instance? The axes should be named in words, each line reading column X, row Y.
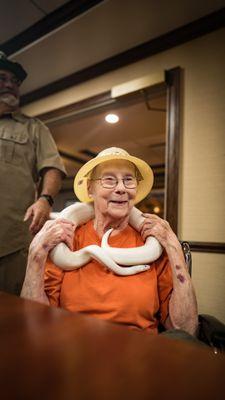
column 119, row 202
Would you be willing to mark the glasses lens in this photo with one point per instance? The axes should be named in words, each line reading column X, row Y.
column 130, row 182
column 109, row 183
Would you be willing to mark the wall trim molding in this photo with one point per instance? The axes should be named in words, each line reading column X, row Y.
column 179, row 36
column 102, row 101
column 93, row 102
column 207, row 247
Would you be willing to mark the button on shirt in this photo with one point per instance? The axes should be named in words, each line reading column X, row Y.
column 26, row 147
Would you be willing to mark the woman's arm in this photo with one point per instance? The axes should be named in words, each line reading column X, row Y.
column 183, row 313
column 52, row 233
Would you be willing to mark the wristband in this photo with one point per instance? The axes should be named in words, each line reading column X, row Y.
column 48, row 198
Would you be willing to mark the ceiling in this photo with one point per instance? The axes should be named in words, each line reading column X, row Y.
column 107, row 29
column 16, row 16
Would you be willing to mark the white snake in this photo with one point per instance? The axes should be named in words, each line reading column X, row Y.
column 110, row 257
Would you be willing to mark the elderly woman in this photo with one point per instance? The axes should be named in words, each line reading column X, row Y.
column 161, row 294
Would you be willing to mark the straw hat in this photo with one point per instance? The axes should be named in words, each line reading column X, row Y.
column 113, row 153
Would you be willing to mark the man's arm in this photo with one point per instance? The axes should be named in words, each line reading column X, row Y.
column 183, row 313
column 40, row 210
column 52, row 233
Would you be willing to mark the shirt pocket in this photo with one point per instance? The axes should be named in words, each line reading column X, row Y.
column 13, row 145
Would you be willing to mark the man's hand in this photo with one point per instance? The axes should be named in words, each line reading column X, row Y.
column 39, row 213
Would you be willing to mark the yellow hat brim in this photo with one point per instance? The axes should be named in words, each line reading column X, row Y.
column 143, row 188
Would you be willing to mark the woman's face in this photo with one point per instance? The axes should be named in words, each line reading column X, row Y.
column 117, row 202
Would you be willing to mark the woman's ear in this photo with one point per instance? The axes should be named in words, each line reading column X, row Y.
column 89, row 188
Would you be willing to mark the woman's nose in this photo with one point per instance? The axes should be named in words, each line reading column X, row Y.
column 120, row 186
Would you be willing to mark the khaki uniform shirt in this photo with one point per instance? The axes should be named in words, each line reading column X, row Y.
column 26, row 147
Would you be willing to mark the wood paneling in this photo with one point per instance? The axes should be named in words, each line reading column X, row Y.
column 173, row 77
column 207, row 247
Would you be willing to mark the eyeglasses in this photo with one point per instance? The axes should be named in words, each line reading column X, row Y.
column 110, row 182
column 14, row 80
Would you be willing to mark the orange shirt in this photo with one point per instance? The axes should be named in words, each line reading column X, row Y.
column 139, row 301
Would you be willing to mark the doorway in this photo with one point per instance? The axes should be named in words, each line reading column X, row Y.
column 148, row 128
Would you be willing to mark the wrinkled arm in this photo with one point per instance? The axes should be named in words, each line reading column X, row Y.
column 52, row 233
column 33, row 286
column 183, row 313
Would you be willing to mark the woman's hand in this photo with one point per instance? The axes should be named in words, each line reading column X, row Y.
column 52, row 233
column 160, row 229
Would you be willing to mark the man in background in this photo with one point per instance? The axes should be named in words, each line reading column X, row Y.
column 31, row 174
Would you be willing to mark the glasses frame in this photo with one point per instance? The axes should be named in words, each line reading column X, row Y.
column 14, row 80
column 116, row 182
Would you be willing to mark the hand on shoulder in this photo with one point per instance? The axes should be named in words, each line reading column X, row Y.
column 160, row 229
column 52, row 233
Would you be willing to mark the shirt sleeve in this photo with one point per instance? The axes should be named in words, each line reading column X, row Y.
column 165, row 286
column 52, row 282
column 46, row 151
column 54, row 276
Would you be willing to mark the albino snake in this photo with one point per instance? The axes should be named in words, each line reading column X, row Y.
column 121, row 261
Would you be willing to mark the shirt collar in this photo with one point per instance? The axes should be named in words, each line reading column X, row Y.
column 18, row 116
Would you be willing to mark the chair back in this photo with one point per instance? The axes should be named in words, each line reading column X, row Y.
column 187, row 255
